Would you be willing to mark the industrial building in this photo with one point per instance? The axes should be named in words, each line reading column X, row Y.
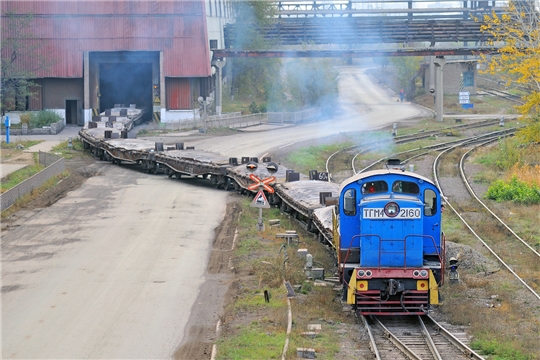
column 154, row 54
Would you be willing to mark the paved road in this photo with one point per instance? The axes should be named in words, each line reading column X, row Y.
column 364, row 106
column 113, row 269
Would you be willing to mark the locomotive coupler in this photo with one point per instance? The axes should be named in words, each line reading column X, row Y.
column 394, row 286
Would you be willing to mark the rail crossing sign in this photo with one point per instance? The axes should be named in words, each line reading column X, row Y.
column 262, row 183
column 260, row 201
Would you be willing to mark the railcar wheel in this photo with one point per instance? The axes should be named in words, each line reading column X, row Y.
column 311, row 226
column 229, row 184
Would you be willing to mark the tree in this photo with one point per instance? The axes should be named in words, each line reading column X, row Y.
column 19, row 61
column 407, row 69
column 517, row 31
column 253, row 78
column 313, row 83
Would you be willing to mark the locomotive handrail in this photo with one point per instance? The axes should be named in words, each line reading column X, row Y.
column 440, row 252
column 439, row 248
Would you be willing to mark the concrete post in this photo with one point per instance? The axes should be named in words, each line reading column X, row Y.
column 86, row 85
column 439, row 94
column 219, row 64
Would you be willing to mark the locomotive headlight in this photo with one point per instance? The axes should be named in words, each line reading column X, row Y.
column 416, row 273
column 391, row 209
column 423, row 273
column 361, row 273
column 368, row 273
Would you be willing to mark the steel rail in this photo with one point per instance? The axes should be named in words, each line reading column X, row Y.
column 407, row 138
column 372, row 343
column 471, row 191
column 398, row 343
column 440, row 146
column 455, row 341
column 436, row 179
column 428, row 339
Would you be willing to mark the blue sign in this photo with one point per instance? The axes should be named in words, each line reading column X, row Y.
column 467, row 106
column 7, row 124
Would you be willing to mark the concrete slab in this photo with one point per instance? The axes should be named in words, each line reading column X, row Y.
column 6, row 169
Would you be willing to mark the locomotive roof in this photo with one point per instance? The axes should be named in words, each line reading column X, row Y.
column 382, row 172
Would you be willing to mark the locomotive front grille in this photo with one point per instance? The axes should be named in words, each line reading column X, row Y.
column 411, row 302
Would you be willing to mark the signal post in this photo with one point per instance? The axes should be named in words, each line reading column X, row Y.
column 260, row 201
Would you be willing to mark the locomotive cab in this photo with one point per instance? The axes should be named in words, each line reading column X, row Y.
column 390, row 244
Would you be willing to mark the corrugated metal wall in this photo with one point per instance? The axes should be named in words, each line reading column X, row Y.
column 64, row 30
column 178, row 94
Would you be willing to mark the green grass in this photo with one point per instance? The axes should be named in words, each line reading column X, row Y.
column 26, row 144
column 63, row 149
column 497, row 349
column 313, row 157
column 33, row 194
column 15, row 178
column 254, row 341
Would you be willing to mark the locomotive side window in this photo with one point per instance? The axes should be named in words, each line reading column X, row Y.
column 405, row 187
column 430, row 202
column 374, row 187
column 349, row 202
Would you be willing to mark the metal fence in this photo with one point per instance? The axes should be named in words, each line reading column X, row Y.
column 55, row 166
column 262, row 118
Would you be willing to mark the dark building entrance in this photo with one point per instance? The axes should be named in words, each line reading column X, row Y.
column 74, row 113
column 124, row 77
column 125, row 84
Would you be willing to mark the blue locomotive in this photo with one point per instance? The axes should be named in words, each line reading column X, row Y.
column 389, row 241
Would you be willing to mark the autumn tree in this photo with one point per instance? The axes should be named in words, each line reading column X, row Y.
column 18, row 61
column 518, row 62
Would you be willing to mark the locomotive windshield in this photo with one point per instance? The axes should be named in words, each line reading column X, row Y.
column 405, row 187
column 374, row 187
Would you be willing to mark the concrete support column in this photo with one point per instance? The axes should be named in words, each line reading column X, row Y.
column 219, row 64
column 439, row 95
column 87, row 109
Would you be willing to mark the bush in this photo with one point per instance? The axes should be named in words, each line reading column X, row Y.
column 25, row 118
column 515, row 190
column 254, row 108
column 44, row 118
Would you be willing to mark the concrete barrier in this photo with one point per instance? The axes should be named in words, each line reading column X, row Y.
column 55, row 166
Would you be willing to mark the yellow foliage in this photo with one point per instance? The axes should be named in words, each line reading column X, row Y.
column 518, row 61
column 526, row 173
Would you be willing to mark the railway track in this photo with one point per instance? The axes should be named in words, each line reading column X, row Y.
column 505, row 95
column 414, row 337
column 496, row 242
column 333, row 162
column 421, row 151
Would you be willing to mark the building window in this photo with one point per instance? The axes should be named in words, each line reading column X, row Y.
column 213, row 44
column 468, row 78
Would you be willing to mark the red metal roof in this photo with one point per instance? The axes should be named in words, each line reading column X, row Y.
column 66, row 29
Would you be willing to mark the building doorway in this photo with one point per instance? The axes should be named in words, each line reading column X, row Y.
column 74, row 112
